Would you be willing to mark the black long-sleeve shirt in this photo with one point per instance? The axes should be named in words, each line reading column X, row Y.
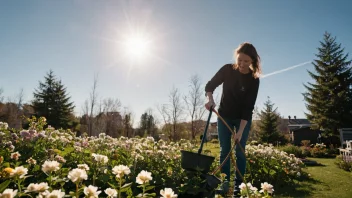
column 239, row 92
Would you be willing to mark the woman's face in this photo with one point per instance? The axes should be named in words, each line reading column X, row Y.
column 243, row 61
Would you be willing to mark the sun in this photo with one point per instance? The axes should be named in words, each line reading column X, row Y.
column 137, row 47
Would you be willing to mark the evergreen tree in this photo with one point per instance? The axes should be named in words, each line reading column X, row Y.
column 329, row 99
column 52, row 102
column 147, row 124
column 269, row 122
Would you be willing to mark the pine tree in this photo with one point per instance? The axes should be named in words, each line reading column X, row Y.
column 329, row 99
column 269, row 122
column 52, row 102
column 147, row 124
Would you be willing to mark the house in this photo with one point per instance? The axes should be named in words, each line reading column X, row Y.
column 300, row 129
column 212, row 131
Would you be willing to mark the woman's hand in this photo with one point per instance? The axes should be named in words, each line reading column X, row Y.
column 238, row 137
column 239, row 133
column 210, row 105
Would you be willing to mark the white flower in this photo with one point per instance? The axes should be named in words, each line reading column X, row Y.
column 151, row 139
column 139, row 157
column 42, row 187
column 3, row 125
column 254, row 189
column 15, row 155
column 83, row 166
column 32, row 188
column 91, row 191
column 144, row 177
column 37, row 187
column 8, row 193
column 19, row 171
column 111, row 192
column 102, row 135
column 31, row 161
column 50, row 166
column 168, row 193
column 121, row 170
column 243, row 186
column 100, row 158
column 60, row 159
column 54, row 194
column 266, row 187
column 77, row 175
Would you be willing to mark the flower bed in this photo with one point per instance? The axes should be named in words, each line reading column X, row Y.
column 56, row 163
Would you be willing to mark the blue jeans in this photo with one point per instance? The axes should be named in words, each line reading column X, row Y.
column 225, row 138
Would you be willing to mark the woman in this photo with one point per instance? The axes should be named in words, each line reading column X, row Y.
column 240, row 89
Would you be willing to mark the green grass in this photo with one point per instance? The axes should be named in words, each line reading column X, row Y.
column 326, row 180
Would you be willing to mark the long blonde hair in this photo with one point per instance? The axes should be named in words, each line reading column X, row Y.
column 249, row 50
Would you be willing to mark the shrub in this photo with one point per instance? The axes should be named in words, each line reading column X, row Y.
column 265, row 163
column 292, row 149
column 347, row 166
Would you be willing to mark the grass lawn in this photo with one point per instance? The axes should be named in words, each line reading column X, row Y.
column 326, row 180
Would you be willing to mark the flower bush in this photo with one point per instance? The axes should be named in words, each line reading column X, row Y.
column 267, row 164
column 313, row 150
column 47, row 162
column 56, row 163
column 345, row 165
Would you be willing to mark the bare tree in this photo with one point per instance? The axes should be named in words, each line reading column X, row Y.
column 19, row 97
column 99, row 123
column 85, row 107
column 113, row 119
column 195, row 103
column 111, row 105
column 166, row 118
column 176, row 109
column 93, row 101
column 1, row 96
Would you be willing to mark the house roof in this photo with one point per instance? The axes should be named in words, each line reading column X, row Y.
column 296, row 121
column 295, row 127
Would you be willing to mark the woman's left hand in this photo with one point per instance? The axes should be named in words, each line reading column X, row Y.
column 238, row 136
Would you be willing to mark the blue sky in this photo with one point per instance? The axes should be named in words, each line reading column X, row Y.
column 79, row 39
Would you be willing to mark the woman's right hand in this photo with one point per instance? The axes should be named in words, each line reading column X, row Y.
column 210, row 104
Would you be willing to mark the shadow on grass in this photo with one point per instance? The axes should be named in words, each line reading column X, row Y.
column 309, row 162
column 303, row 188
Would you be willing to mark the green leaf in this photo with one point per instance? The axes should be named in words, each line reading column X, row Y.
column 4, row 185
column 86, row 151
column 126, row 185
column 67, row 151
column 272, row 172
column 265, row 170
column 152, row 194
column 6, row 164
column 36, row 168
column 149, row 188
column 112, row 185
